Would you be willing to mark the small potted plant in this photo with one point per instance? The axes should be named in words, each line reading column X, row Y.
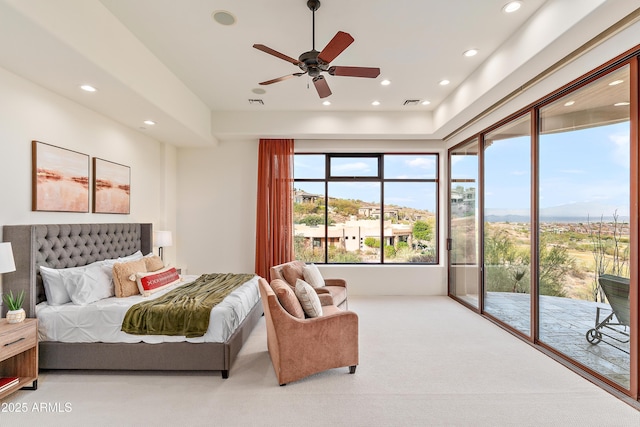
column 16, row 313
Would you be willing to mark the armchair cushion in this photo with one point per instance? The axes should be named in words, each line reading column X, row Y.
column 308, row 299
column 287, row 298
column 292, row 272
column 336, row 288
column 313, row 276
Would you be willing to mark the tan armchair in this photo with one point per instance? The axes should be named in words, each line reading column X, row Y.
column 300, row 347
column 290, row 271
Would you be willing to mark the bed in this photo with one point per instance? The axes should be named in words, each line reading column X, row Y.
column 70, row 245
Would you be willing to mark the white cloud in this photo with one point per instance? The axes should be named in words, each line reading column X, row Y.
column 351, row 167
column 620, row 153
column 422, row 163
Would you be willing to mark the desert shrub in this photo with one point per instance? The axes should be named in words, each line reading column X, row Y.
column 389, row 252
column 372, row 242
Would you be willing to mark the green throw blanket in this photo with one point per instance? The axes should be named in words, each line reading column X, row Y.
column 184, row 310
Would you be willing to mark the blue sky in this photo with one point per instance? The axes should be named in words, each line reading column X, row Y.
column 415, row 195
column 587, row 168
column 585, row 171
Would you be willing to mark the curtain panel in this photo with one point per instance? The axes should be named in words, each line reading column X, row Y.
column 274, row 217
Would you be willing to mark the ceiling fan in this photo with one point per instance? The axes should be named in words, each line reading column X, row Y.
column 314, row 63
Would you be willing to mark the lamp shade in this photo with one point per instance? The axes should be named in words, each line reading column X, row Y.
column 7, row 263
column 162, row 238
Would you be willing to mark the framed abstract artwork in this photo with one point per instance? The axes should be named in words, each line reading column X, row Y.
column 60, row 179
column 111, row 187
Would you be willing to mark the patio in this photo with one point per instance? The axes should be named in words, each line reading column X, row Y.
column 564, row 323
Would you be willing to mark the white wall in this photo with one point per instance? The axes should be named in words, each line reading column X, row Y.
column 29, row 112
column 216, row 211
column 217, row 190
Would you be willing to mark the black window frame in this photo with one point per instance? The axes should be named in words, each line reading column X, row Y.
column 379, row 177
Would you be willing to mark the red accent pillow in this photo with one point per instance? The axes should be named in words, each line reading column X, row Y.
column 148, row 283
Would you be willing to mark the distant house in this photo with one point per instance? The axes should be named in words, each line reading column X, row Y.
column 351, row 234
column 373, row 211
column 463, row 199
column 304, row 197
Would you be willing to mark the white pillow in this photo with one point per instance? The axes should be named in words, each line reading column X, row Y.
column 308, row 299
column 312, row 276
column 133, row 257
column 90, row 284
column 58, row 291
column 54, row 287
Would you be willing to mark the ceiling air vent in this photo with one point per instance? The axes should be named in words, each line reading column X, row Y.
column 256, row 101
column 411, row 102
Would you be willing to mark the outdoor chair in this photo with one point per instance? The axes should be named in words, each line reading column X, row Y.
column 615, row 325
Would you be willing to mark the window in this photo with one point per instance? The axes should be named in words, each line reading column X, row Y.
column 366, row 208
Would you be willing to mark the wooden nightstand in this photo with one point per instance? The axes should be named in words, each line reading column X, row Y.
column 19, row 354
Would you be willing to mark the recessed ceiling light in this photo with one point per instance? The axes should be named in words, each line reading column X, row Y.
column 149, row 122
column 375, row 103
column 471, row 52
column 223, row 17
column 621, row 104
column 425, row 102
column 259, row 91
column 616, row 82
column 385, row 82
column 444, row 82
column 88, row 88
column 569, row 103
column 512, row 6
column 326, row 103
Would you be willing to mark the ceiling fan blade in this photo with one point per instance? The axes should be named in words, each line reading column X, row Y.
column 275, row 53
column 321, row 86
column 355, row 71
column 335, row 47
column 279, row 79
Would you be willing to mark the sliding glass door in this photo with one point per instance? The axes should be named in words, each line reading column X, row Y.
column 584, row 213
column 463, row 225
column 545, row 204
column 507, row 223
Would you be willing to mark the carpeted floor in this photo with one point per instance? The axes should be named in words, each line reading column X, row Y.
column 424, row 361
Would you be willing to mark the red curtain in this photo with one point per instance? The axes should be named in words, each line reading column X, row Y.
column 274, row 218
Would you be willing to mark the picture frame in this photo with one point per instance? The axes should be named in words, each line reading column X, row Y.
column 60, row 179
column 111, row 187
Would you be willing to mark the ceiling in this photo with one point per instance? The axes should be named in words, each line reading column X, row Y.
column 169, row 61
column 416, row 44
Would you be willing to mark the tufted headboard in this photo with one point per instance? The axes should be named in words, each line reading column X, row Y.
column 64, row 246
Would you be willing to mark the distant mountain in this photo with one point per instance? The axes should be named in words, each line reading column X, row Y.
column 571, row 212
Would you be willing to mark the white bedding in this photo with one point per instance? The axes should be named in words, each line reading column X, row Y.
column 101, row 321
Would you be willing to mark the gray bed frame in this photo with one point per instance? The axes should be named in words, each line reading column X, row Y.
column 72, row 245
